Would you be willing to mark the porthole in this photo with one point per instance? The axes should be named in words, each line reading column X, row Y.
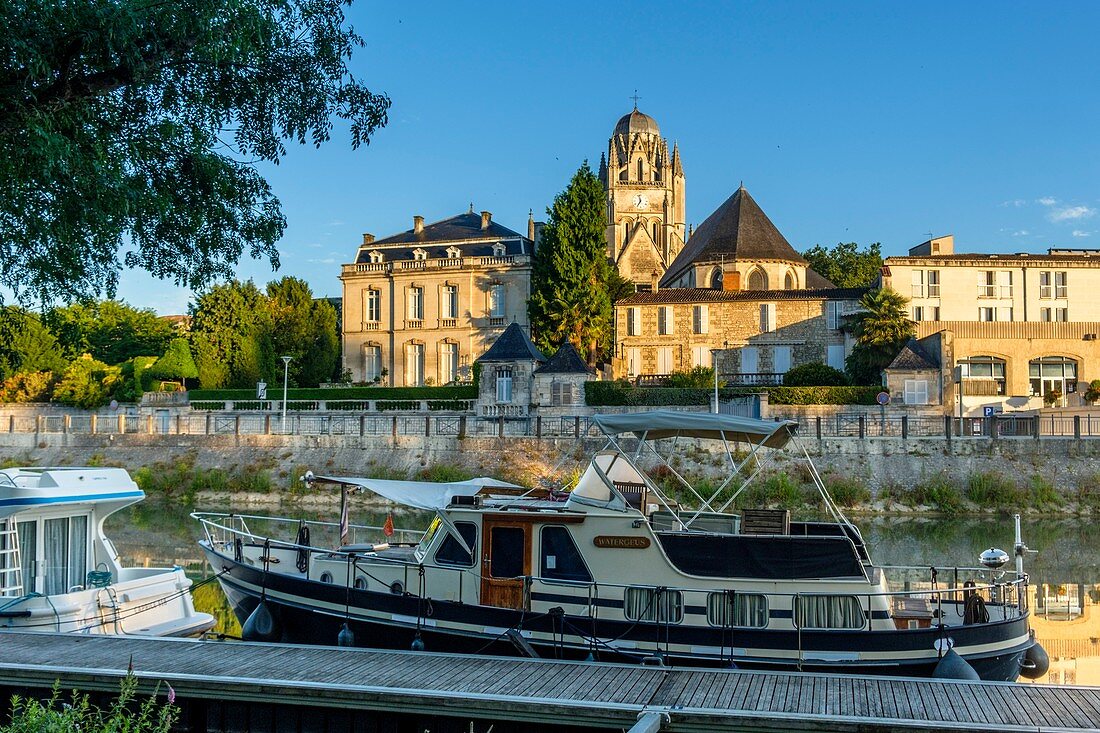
column 361, row 583
column 326, row 577
column 397, row 587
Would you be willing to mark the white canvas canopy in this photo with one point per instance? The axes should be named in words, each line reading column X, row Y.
column 427, row 495
column 658, row 424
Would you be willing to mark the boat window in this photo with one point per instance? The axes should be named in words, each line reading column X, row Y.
column 56, row 535
column 361, row 583
column 428, row 536
column 653, row 604
column 28, row 547
column 451, row 551
column 78, row 550
column 326, row 577
column 561, row 560
column 506, row 554
column 737, row 609
column 829, row 612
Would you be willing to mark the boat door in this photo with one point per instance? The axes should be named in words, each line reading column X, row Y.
column 506, row 560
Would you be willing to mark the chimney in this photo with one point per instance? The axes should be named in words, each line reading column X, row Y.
column 655, row 281
column 531, row 225
column 486, row 219
column 731, row 281
column 367, row 238
column 418, row 224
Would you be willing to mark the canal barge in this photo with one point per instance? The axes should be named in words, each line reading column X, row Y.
column 60, row 572
column 613, row 567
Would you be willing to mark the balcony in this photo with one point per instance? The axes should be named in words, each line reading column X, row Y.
column 496, row 320
column 448, row 322
column 371, row 325
column 987, row 291
column 414, row 324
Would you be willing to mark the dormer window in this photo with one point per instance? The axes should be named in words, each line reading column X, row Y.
column 375, row 256
column 498, row 249
column 453, row 253
column 420, row 254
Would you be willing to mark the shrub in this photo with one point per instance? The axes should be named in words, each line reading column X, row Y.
column 992, row 490
column 29, row 714
column 823, row 395
column 1043, row 495
column 27, row 387
column 938, row 493
column 1092, row 394
column 814, row 374
column 699, row 377
column 848, row 491
column 461, row 392
column 444, row 473
column 87, row 384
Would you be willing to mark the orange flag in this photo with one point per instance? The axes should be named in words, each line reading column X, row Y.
column 387, row 528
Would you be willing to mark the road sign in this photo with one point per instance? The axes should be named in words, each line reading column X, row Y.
column 261, row 390
column 988, row 410
column 883, row 398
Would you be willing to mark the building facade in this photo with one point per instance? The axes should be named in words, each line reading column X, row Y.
column 420, row 306
column 1015, row 332
column 646, row 211
column 737, row 297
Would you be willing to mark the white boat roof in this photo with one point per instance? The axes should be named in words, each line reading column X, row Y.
column 30, row 488
column 429, row 495
column 658, row 424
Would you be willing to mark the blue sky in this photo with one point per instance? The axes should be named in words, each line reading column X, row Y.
column 846, row 121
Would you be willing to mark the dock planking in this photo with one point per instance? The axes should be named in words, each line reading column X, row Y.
column 578, row 694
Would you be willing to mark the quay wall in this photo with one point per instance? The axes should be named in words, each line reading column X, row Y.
column 877, row 462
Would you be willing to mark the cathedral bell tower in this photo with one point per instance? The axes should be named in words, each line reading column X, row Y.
column 645, row 199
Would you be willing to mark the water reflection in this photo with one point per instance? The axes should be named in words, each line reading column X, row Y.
column 1065, row 573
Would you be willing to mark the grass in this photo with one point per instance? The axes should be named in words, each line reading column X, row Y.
column 990, row 490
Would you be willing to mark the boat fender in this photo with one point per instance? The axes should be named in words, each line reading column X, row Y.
column 953, row 667
column 1036, row 662
column 653, row 660
column 346, row 637
column 417, row 644
column 261, row 625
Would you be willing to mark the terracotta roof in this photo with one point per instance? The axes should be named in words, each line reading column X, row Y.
column 738, row 229
column 513, row 345
column 913, row 358
column 706, row 295
column 565, row 360
column 456, row 229
column 1045, row 259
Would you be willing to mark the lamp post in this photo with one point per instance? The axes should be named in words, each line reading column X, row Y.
column 286, row 372
column 714, row 362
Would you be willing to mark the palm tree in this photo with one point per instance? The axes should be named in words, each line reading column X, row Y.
column 881, row 329
column 581, row 322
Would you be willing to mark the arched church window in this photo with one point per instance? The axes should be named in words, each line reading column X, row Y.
column 788, row 281
column 626, row 231
column 655, row 229
column 639, row 169
column 758, row 280
column 716, row 279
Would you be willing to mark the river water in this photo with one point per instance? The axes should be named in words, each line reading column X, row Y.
column 1065, row 573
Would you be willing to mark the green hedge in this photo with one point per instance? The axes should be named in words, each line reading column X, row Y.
column 464, row 392
column 617, row 394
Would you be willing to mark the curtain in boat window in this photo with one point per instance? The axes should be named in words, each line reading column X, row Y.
column 649, row 604
column 56, row 542
column 28, row 549
column 737, row 609
column 78, row 550
column 830, row 612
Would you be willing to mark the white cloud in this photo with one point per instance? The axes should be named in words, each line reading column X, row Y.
column 336, row 223
column 1078, row 233
column 1071, row 213
column 1017, row 203
column 1021, row 233
column 325, row 261
column 314, row 245
column 1048, row 201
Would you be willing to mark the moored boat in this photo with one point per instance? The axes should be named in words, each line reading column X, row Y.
column 613, row 568
column 59, row 571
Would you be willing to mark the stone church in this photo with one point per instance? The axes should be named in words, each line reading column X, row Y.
column 646, row 221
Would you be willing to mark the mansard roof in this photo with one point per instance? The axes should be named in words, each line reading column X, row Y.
column 513, row 345
column 737, row 230
column 458, row 228
column 913, row 358
column 706, row 295
column 565, row 360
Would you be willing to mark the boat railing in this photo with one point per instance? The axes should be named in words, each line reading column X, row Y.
column 223, row 527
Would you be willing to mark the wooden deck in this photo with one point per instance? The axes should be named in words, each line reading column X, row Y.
column 581, row 695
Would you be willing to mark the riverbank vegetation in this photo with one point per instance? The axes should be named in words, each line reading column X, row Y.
column 127, row 712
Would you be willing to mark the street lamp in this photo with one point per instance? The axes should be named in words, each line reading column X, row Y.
column 286, row 372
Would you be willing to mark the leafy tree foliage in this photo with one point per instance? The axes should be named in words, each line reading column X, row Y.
column 27, row 387
column 880, row 329
column 142, row 123
column 570, row 299
column 700, row 377
column 176, row 363
column 112, row 331
column 231, row 337
column 814, row 374
column 87, row 383
column 26, row 345
column 846, row 265
column 305, row 328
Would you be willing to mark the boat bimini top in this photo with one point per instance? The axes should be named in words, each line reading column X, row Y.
column 659, row 424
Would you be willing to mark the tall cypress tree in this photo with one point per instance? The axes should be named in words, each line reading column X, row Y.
column 569, row 282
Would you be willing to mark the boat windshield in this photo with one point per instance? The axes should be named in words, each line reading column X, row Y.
column 428, row 536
